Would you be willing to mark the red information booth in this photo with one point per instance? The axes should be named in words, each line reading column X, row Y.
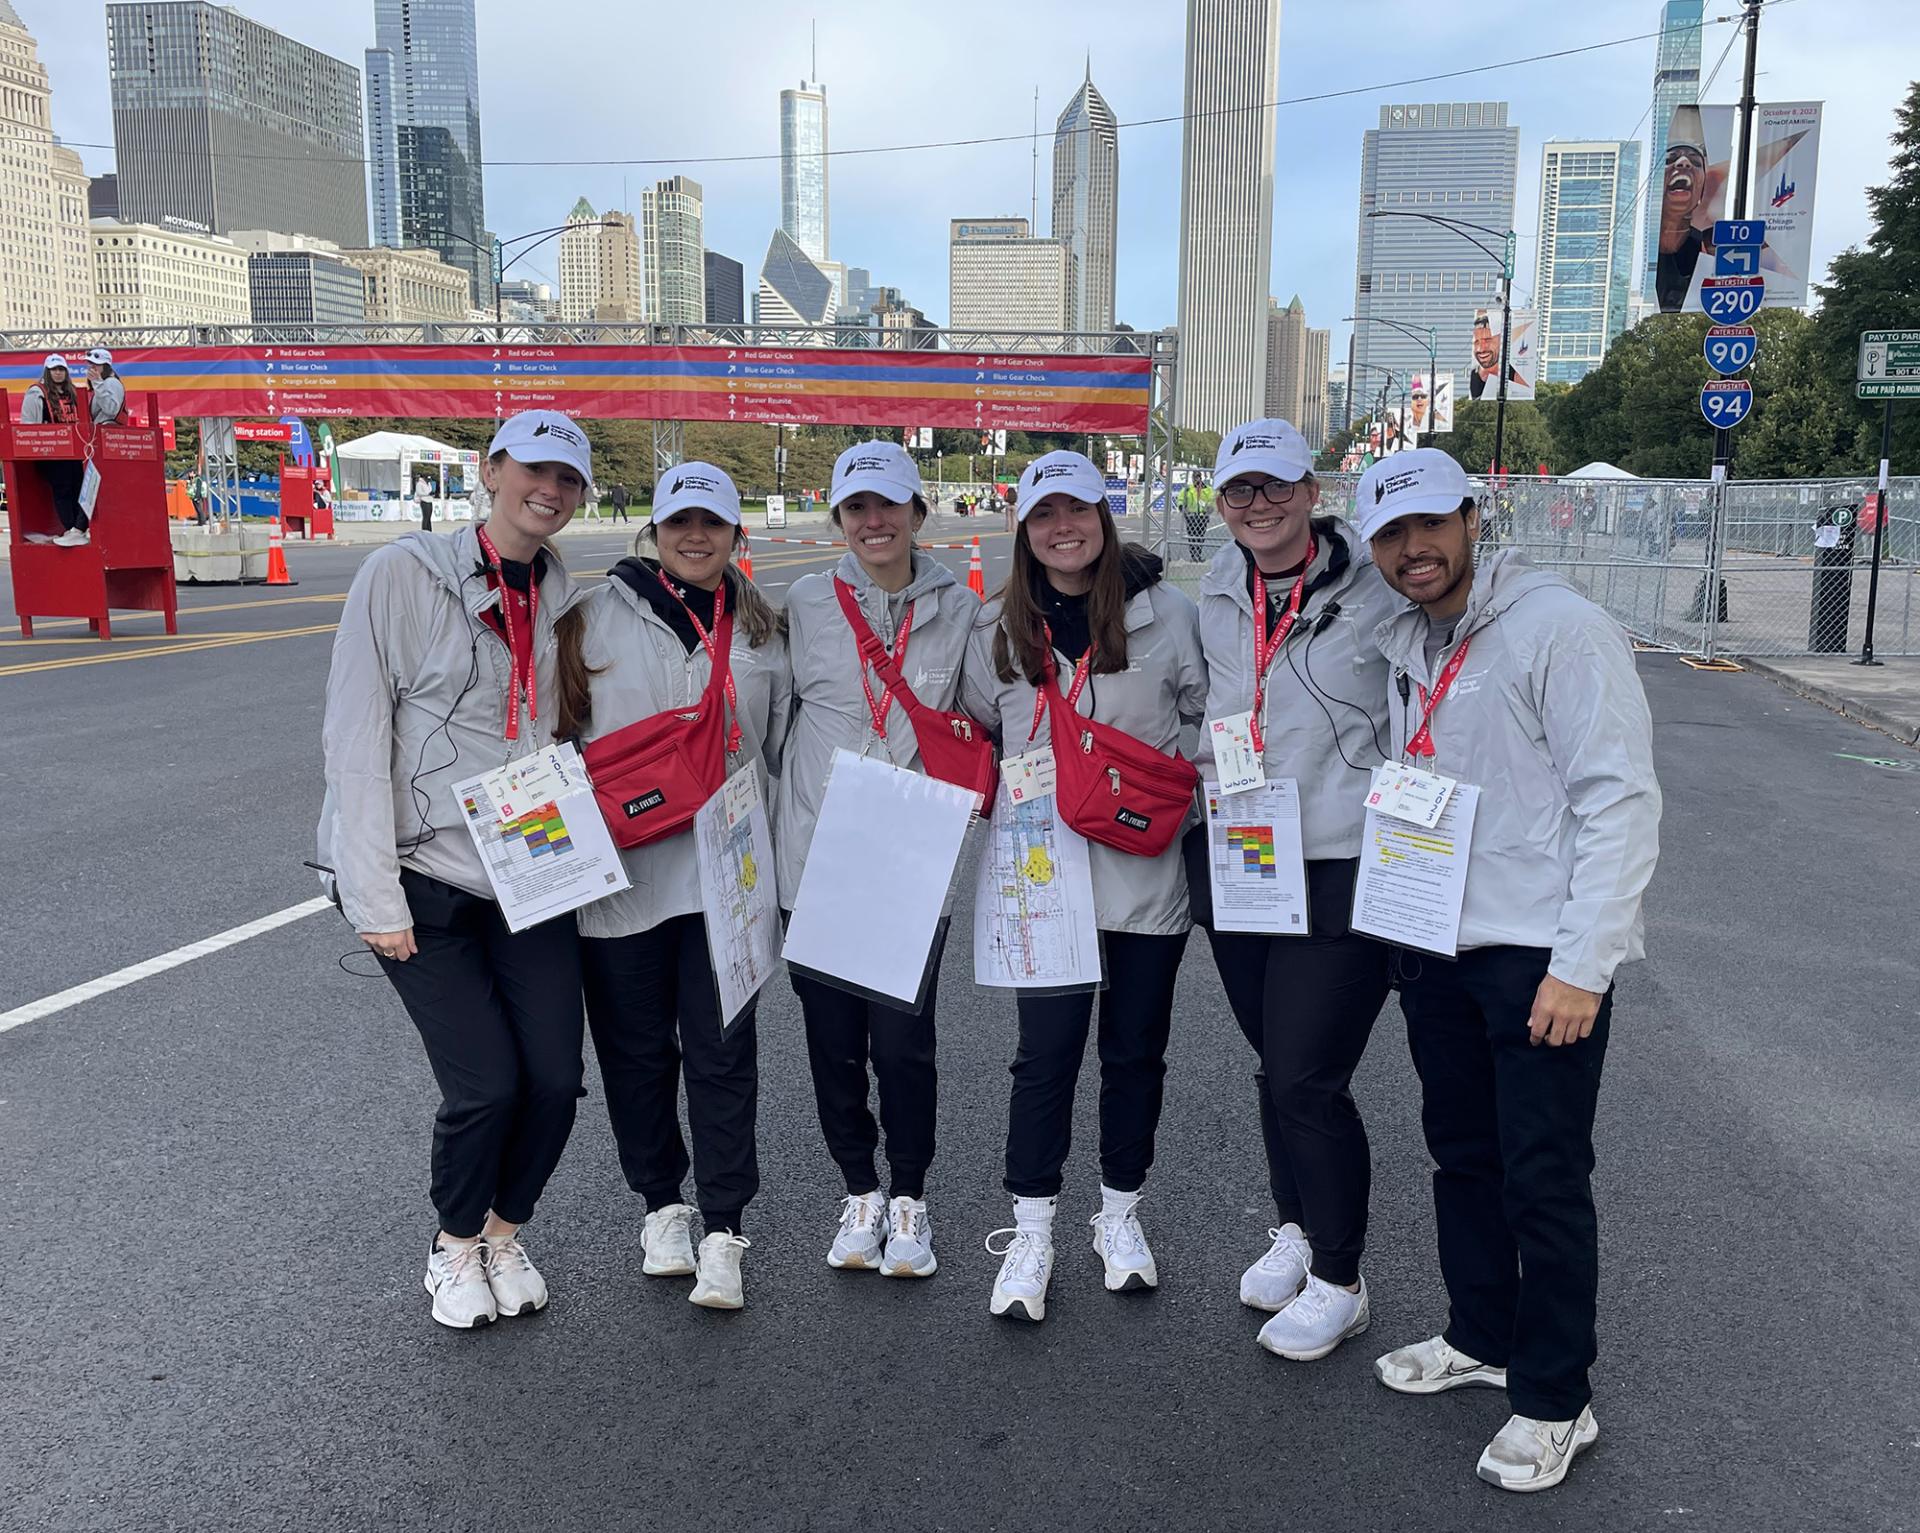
column 127, row 561
column 298, row 513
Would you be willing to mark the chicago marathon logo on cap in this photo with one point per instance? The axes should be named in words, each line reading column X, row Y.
column 565, row 433
column 692, row 482
column 869, row 463
column 1260, row 442
column 1394, row 483
column 1055, row 471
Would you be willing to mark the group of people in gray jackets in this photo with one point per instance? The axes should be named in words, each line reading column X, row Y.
column 1338, row 641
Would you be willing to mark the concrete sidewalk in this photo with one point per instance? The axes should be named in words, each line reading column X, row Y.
column 1887, row 695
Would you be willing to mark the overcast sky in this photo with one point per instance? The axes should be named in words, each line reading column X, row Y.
column 575, row 80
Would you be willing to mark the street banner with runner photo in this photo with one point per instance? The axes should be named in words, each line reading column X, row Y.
column 1430, row 404
column 1696, row 190
column 1523, row 355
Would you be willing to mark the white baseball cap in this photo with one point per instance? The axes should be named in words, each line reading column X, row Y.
column 884, row 468
column 1059, row 473
column 696, row 487
column 54, row 359
column 100, row 357
column 1273, row 447
column 544, row 436
column 1423, row 481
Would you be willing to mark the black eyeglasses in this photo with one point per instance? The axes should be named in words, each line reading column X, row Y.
column 1276, row 492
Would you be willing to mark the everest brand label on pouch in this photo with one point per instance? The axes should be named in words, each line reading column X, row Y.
column 1028, row 777
column 1413, row 878
column 547, row 862
column 1235, row 757
column 735, row 850
column 1407, row 793
column 1254, row 863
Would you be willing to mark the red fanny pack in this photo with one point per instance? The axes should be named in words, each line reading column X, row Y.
column 1111, row 787
column 652, row 776
column 953, row 747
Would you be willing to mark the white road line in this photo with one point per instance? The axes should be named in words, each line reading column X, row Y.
column 46, row 1007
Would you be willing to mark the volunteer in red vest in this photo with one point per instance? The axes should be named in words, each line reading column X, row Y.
column 652, row 634
column 1124, row 649
column 1296, row 689
column 54, row 401
column 1507, row 679
column 922, row 615
column 444, row 669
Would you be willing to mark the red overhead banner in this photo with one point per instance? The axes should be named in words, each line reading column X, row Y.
column 801, row 385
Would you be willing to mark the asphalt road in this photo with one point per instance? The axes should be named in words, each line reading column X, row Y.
column 215, row 1188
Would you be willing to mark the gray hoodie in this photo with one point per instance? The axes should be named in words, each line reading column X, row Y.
column 644, row 669
column 417, row 701
column 829, row 706
column 1548, row 718
column 1325, row 702
column 1155, row 699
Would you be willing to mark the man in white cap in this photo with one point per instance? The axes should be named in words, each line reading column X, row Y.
column 1507, row 678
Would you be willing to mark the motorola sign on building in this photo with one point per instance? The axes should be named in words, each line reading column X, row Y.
column 171, row 274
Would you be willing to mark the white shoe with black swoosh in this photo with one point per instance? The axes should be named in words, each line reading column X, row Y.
column 1429, row 1367
column 1535, row 1455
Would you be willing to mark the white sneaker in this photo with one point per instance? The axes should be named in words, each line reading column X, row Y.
column 1121, row 1245
column 909, row 1240
column 1273, row 1282
column 1020, row 1290
column 856, row 1245
column 1429, row 1367
column 518, row 1288
column 1535, row 1455
column 457, row 1279
column 39, row 537
column 1322, row 1317
column 666, row 1242
column 718, row 1284
column 73, row 538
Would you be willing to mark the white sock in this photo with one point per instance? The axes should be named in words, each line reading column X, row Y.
column 1033, row 1216
column 1117, row 1203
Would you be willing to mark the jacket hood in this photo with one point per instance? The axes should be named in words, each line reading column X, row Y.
column 458, row 564
column 1337, row 551
column 1499, row 581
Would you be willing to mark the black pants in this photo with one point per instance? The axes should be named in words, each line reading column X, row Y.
column 1307, row 1005
column 1510, row 1126
column 64, row 479
column 1136, row 1015
column 844, row 1031
column 652, row 1002
column 499, row 1013
column 426, row 515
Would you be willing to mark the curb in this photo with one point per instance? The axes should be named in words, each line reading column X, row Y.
column 1904, row 730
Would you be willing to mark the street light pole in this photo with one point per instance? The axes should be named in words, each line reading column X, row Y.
column 1433, row 355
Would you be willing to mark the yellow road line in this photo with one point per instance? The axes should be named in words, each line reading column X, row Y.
column 185, row 610
column 34, row 667
column 175, row 639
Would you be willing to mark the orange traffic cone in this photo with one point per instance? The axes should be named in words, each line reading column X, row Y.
column 746, row 559
column 277, row 557
column 976, row 575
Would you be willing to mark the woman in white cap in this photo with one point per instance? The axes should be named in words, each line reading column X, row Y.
column 444, row 667
column 1079, row 604
column 1297, row 691
column 653, row 634
column 922, row 614
column 54, row 401
column 109, row 400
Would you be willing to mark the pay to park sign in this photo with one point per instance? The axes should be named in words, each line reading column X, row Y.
column 1889, row 365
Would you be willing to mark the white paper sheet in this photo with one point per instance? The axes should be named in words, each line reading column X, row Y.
column 1033, row 916
column 1254, row 864
column 883, row 853
column 546, row 863
column 735, row 853
column 1412, row 879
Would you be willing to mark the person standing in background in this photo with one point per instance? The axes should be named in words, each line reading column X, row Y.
column 423, row 496
column 619, row 499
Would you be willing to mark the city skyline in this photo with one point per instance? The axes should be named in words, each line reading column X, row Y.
column 895, row 207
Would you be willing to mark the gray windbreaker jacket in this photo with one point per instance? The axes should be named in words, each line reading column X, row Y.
column 109, row 401
column 644, row 669
column 830, row 708
column 1325, row 722
column 1548, row 718
column 417, row 701
column 1161, row 694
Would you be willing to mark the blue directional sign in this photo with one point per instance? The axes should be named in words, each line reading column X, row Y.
column 1729, row 348
column 1736, row 246
column 1726, row 401
column 1732, row 300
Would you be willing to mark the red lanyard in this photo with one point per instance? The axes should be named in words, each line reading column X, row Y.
column 1080, row 673
column 514, row 681
column 711, row 646
column 1264, row 649
column 1422, row 742
column 879, row 708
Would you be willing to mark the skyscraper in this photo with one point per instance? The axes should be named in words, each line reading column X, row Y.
column 803, row 168
column 725, row 289
column 1086, row 193
column 1000, row 278
column 1451, row 159
column 1676, row 82
column 601, row 270
column 793, row 289
column 1585, row 276
column 672, row 250
column 423, row 134
column 1226, row 210
column 229, row 125
column 46, row 257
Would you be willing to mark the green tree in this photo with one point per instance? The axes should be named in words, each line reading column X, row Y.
column 1528, row 443
column 1801, row 426
column 1640, row 408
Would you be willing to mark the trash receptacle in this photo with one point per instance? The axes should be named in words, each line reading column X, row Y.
column 1833, row 535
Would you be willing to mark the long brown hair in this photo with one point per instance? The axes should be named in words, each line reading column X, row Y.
column 51, row 391
column 1020, row 642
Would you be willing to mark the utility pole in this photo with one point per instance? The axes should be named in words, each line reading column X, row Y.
column 1506, row 339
